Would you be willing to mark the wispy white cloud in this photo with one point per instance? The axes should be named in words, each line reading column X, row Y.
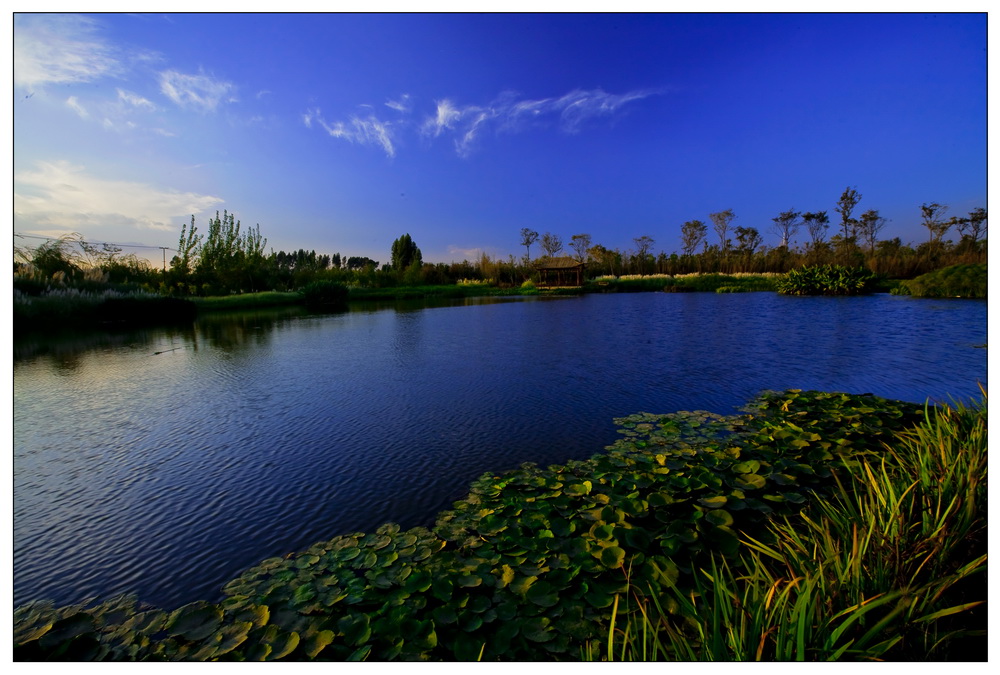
column 60, row 194
column 402, row 105
column 466, row 125
column 200, row 92
column 569, row 113
column 60, row 49
column 135, row 100
column 361, row 130
column 76, row 107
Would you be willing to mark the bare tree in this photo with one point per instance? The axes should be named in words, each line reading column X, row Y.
column 551, row 244
column 528, row 237
column 642, row 246
column 581, row 244
column 974, row 226
column 720, row 223
column 692, row 234
column 786, row 225
column 932, row 215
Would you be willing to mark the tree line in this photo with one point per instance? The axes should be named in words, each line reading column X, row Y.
column 735, row 248
column 229, row 259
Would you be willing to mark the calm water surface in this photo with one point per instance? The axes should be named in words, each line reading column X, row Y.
column 167, row 461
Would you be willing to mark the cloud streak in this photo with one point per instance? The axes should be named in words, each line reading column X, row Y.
column 466, row 125
column 60, row 49
column 199, row 92
column 60, row 194
column 368, row 130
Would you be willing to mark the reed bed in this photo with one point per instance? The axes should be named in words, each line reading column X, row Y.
column 891, row 567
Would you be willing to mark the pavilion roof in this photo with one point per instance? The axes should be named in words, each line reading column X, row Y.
column 562, row 263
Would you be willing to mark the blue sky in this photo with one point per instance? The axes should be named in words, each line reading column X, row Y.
column 340, row 132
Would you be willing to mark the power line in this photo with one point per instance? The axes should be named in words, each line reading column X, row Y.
column 92, row 243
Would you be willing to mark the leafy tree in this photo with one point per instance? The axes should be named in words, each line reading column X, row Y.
column 786, row 225
column 817, row 224
column 605, row 258
column 974, row 226
column 747, row 241
column 721, row 221
column 693, row 233
column 932, row 215
column 551, row 244
column 528, row 237
column 580, row 243
column 845, row 207
column 187, row 249
column 869, row 225
column 405, row 253
column 361, row 262
column 642, row 246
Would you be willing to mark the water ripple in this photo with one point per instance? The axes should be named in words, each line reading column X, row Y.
column 169, row 474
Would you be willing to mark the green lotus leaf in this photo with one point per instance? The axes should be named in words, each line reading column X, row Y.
column 356, row 628
column 612, row 557
column 750, row 466
column 25, row 632
column 381, row 542
column 660, row 499
column 366, row 561
column 638, row 538
column 750, row 481
column 303, row 594
column 469, row 621
column 258, row 615
column 542, row 594
column 284, row 575
column 422, row 553
column 719, row 517
column 536, row 629
column 388, row 528
column 360, row 654
column 469, row 580
column 231, row 636
column 506, row 575
column 522, row 583
column 349, row 553
column 195, row 621
column 579, row 489
column 317, row 642
column 67, row 628
column 441, row 588
column 602, row 531
column 305, row 561
column 725, row 539
column 713, row 502
column 444, row 615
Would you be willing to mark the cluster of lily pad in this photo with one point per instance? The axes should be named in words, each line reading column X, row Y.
column 526, row 567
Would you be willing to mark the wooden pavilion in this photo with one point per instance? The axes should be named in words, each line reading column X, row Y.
column 563, row 271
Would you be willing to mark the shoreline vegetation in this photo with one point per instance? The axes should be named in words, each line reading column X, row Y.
column 812, row 526
column 41, row 304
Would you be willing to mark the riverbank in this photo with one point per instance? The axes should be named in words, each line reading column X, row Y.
column 544, row 564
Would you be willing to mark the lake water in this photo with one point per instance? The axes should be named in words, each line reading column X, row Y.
column 167, row 461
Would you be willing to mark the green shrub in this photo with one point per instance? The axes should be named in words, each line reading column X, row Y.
column 956, row 281
column 827, row 280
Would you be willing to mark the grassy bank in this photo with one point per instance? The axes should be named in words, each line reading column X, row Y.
column 957, row 281
column 813, row 526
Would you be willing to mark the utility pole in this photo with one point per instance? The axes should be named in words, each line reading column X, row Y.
column 164, row 249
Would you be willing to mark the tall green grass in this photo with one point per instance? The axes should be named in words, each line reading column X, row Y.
column 891, row 567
